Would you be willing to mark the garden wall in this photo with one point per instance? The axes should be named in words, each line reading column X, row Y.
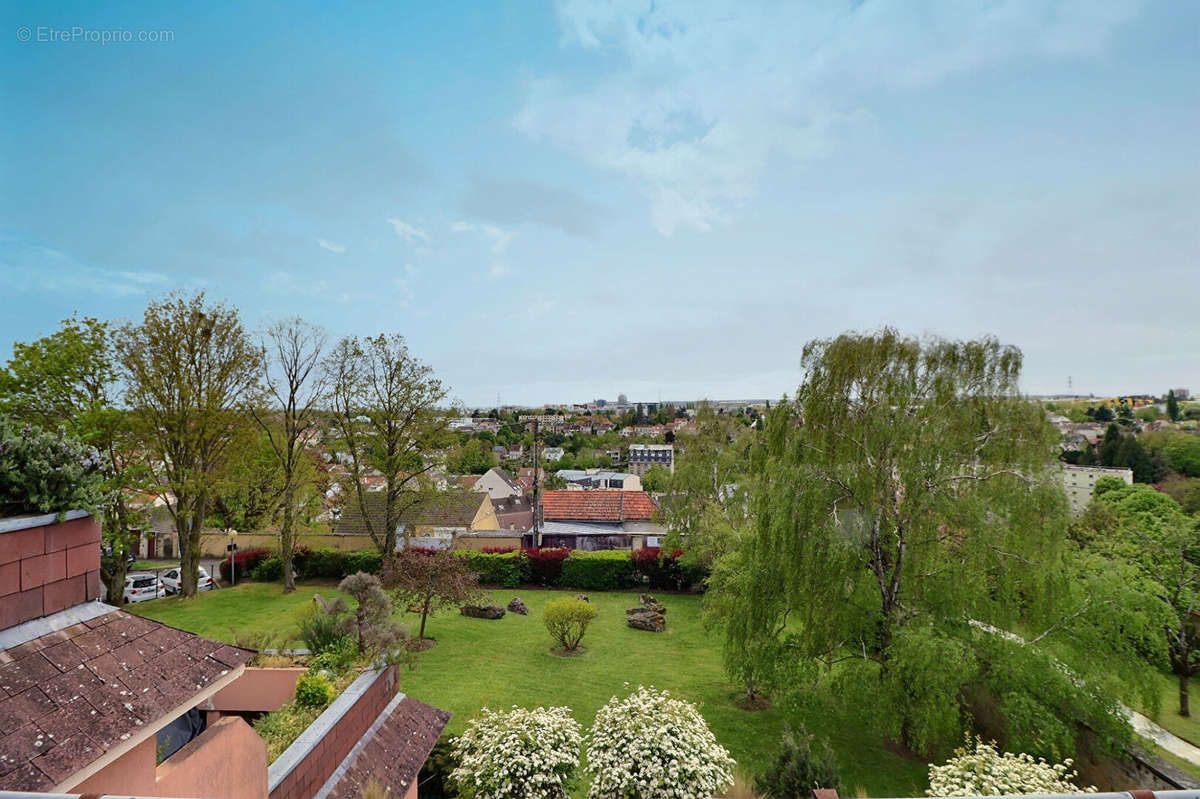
column 304, row 766
column 47, row 565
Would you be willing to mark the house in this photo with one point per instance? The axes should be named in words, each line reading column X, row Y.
column 590, row 479
column 528, row 475
column 498, row 484
column 553, row 454
column 643, row 457
column 515, row 453
column 592, row 520
column 514, row 513
column 431, row 520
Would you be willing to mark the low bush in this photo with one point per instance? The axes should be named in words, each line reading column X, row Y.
column 336, row 658
column 666, row 571
column 567, row 619
column 313, row 690
column 607, row 570
column 268, row 570
column 798, row 768
column 319, row 630
column 545, row 564
column 244, row 563
column 334, row 564
column 500, row 570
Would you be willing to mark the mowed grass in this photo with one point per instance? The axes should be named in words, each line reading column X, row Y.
column 499, row 663
column 1186, row 727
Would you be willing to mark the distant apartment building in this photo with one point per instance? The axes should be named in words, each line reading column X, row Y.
column 1080, row 482
column 592, row 479
column 642, row 457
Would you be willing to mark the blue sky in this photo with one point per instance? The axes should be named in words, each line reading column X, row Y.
column 556, row 202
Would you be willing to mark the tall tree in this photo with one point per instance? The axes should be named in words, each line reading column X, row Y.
column 385, row 418
column 189, row 368
column 1152, row 531
column 69, row 379
column 1172, row 406
column 298, row 385
column 906, row 509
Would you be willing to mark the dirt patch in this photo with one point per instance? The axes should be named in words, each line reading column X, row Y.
column 559, row 652
column 421, row 644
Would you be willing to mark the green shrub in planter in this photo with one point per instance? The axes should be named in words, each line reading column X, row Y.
column 608, row 570
column 313, row 690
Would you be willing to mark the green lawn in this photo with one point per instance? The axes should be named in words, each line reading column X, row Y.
column 1187, row 728
column 479, row 663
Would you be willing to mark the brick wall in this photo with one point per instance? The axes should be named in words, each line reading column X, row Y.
column 46, row 566
column 325, row 755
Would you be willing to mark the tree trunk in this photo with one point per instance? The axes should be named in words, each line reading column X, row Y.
column 189, row 556
column 424, row 615
column 1184, row 709
column 287, row 537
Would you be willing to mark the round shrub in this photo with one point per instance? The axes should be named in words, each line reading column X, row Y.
column 313, row 690
column 567, row 619
column 44, row 472
column 518, row 754
column 654, row 746
column 245, row 562
column 269, row 570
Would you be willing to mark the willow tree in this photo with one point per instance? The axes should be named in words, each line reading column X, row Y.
column 907, row 512
column 189, row 370
column 384, row 420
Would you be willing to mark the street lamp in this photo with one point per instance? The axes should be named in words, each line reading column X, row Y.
column 232, row 549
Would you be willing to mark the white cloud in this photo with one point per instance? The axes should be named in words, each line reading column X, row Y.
column 289, row 284
column 410, row 233
column 497, row 270
column 332, row 246
column 34, row 267
column 498, row 238
column 404, row 293
column 701, row 97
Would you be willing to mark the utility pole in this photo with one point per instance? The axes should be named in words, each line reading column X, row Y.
column 537, row 524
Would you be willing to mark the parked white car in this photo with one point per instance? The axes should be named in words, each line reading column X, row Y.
column 173, row 580
column 141, row 587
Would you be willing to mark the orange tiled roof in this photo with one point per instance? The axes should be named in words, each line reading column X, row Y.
column 601, row 506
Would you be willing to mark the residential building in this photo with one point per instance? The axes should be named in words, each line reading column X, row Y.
column 642, row 457
column 514, row 513
column 432, row 522
column 589, row 479
column 498, row 484
column 553, row 454
column 1080, row 482
column 593, row 520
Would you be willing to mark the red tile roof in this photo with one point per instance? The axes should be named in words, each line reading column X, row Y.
column 68, row 697
column 597, row 506
column 394, row 754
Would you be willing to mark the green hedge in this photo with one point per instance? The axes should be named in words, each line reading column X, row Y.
column 607, row 570
column 501, row 569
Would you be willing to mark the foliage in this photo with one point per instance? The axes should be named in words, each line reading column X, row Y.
column 370, row 621
column 313, row 690
column 247, row 485
column 931, row 502
column 1182, row 453
column 501, row 570
column 545, row 564
column 978, row 769
column 1152, row 532
column 46, row 472
column 1172, row 406
column 268, row 570
column 606, row 570
column 280, row 728
column 188, row 366
column 320, row 628
column 473, row 457
column 334, row 564
column 518, row 754
column 566, row 620
column 799, row 768
column 386, row 418
column 243, row 563
column 667, row 570
column 650, row 745
column 1184, row 490
column 656, row 479
column 430, row 580
column 336, row 658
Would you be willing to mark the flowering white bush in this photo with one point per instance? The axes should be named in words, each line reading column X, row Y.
column 530, row 754
column 650, row 745
column 979, row 770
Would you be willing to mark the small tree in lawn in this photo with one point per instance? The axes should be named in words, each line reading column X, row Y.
column 567, row 619
column 651, row 745
column 518, row 754
column 371, row 621
column 801, row 766
column 430, row 580
column 978, row 769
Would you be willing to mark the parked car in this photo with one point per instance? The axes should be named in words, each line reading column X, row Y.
column 140, row 587
column 173, row 580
